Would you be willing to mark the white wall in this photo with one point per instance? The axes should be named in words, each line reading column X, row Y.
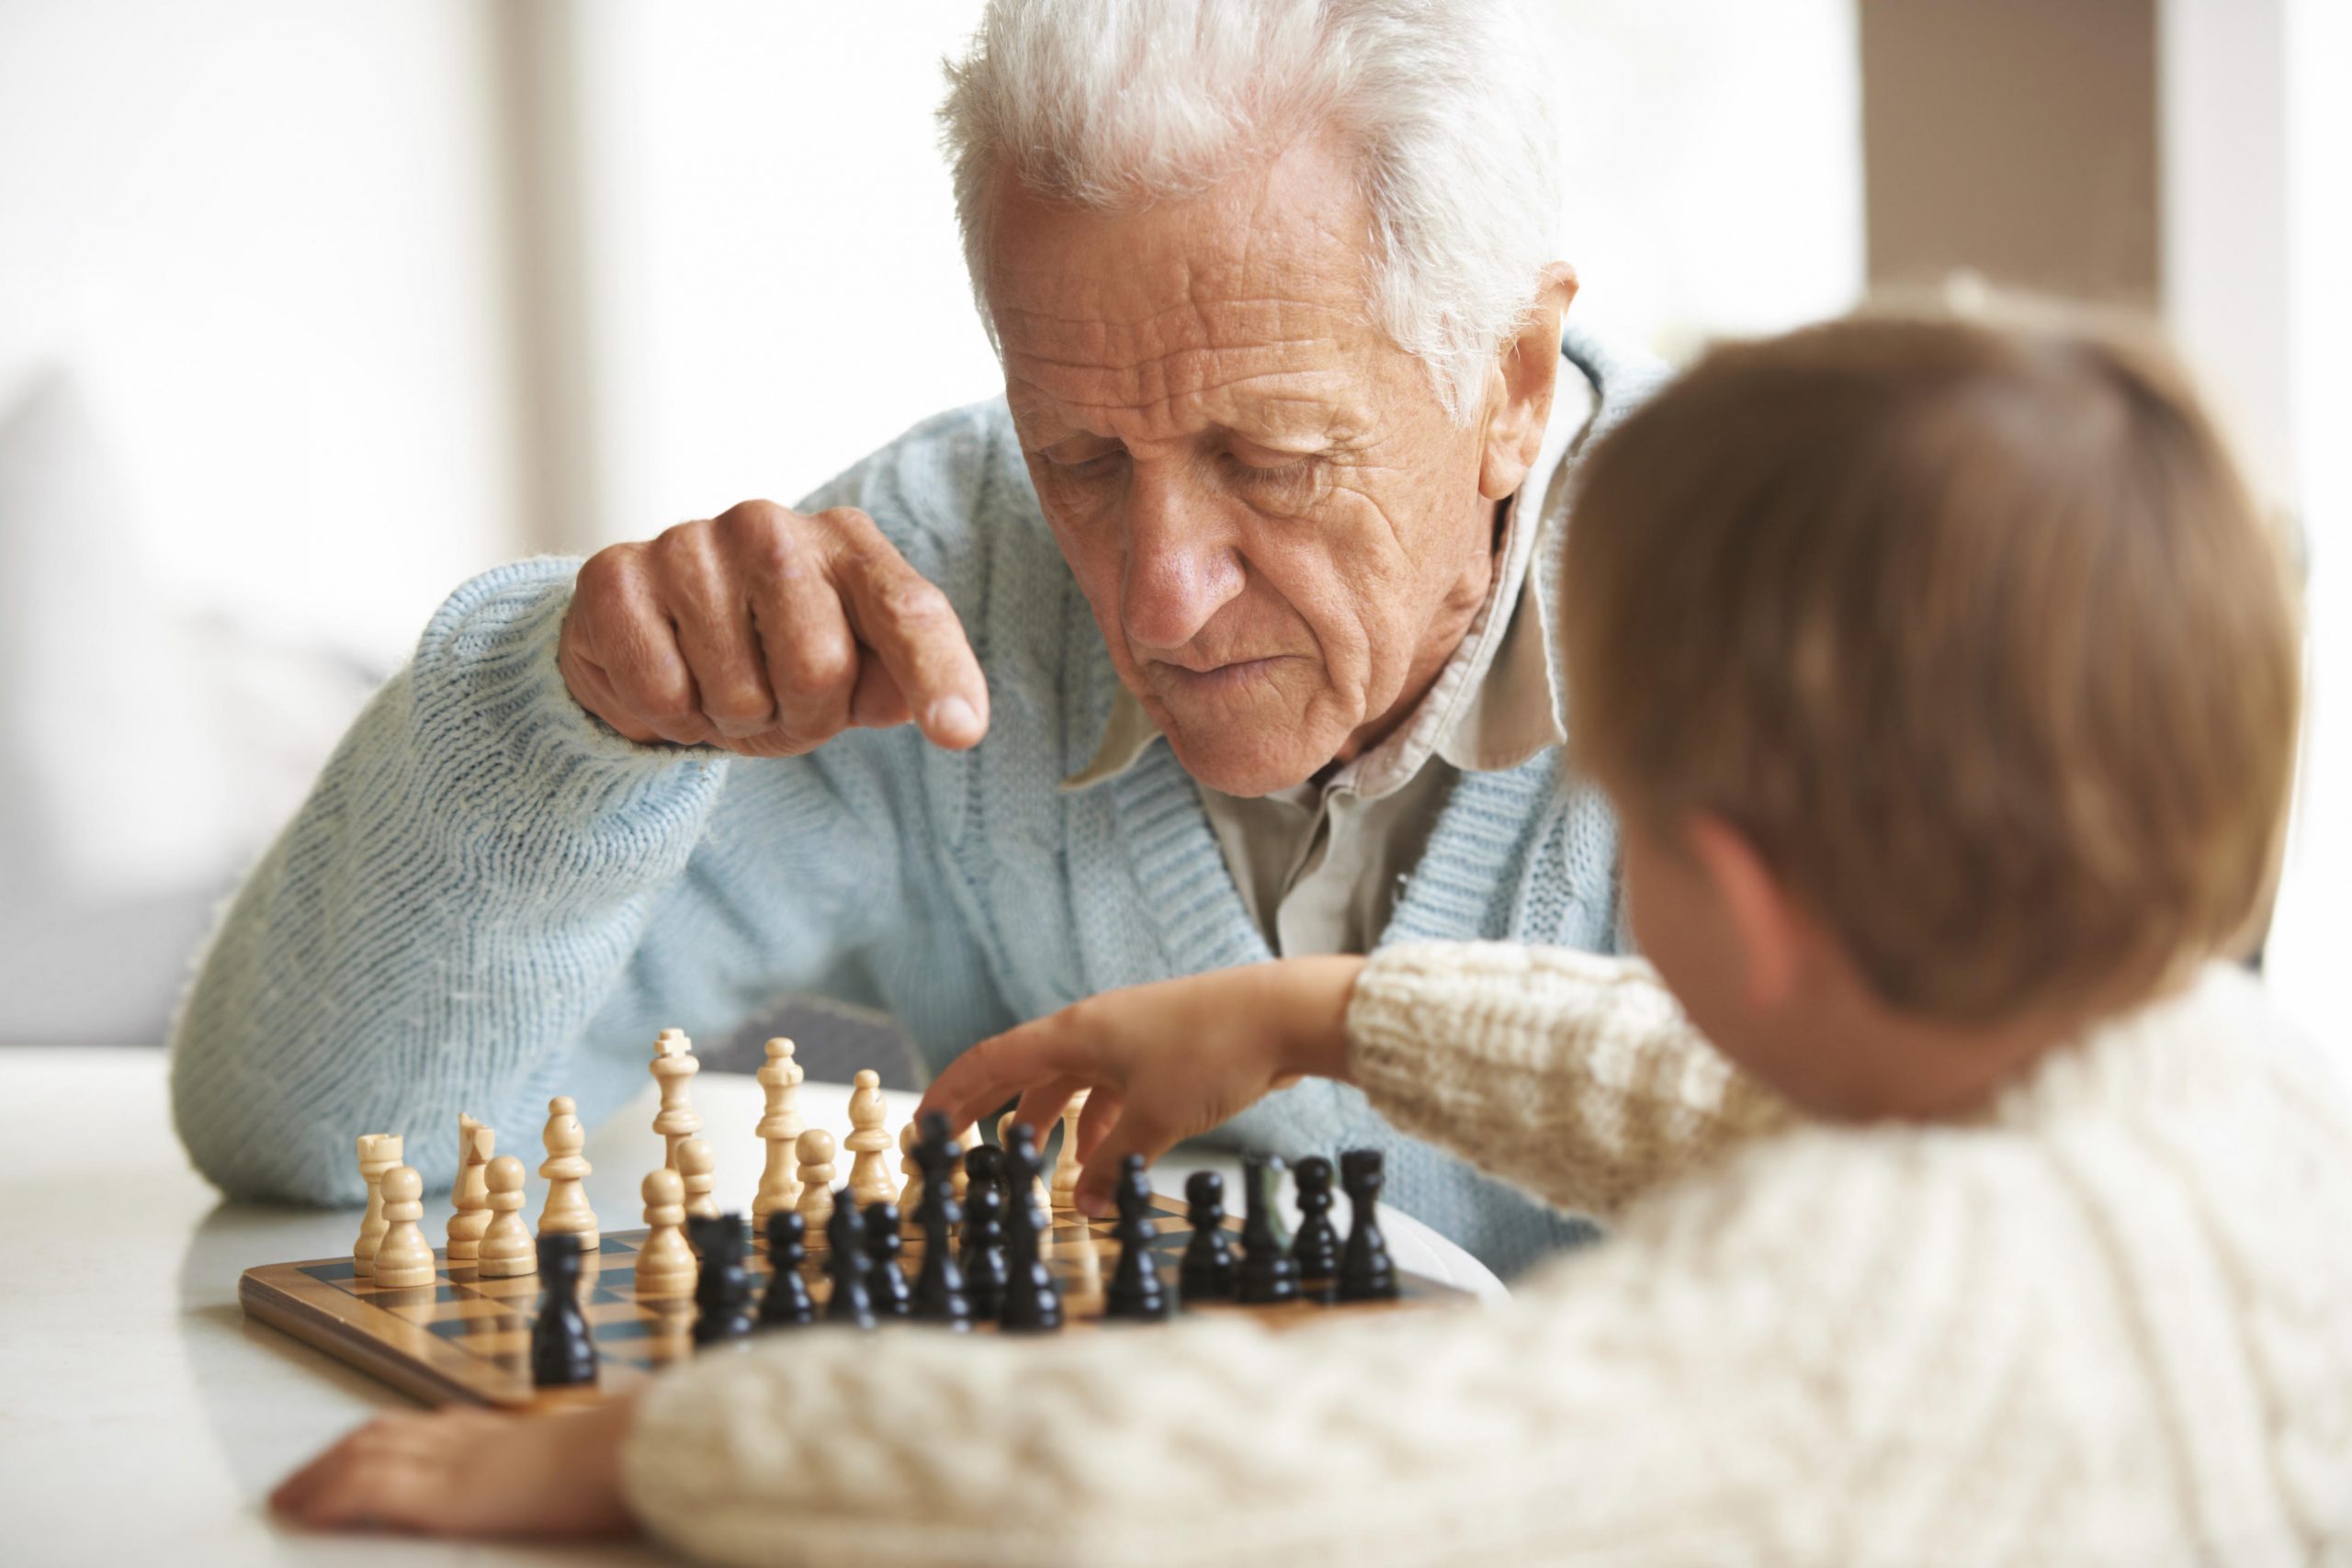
column 264, row 238
column 2314, row 932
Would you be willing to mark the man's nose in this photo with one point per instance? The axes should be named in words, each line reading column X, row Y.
column 1181, row 564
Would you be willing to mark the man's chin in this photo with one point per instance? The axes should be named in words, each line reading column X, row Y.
column 1247, row 772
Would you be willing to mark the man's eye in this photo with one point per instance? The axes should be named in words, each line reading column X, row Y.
column 1268, row 473
column 1099, row 466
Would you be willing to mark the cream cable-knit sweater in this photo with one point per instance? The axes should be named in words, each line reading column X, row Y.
column 2107, row 1321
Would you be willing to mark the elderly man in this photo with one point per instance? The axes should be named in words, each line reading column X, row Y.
column 1222, row 635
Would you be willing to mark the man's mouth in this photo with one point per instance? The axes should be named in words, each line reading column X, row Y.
column 1219, row 679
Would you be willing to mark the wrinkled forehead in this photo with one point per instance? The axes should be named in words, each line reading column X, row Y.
column 1243, row 307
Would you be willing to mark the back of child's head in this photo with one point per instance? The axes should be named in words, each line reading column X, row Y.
column 1972, row 632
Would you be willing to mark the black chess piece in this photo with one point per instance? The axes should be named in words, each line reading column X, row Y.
column 1206, row 1274
column 1268, row 1275
column 847, row 1264
column 564, row 1353
column 1316, row 1247
column 888, row 1280
column 1365, row 1272
column 984, row 1267
column 722, row 1285
column 786, row 1303
column 1033, row 1304
column 1136, row 1290
column 1024, row 1163
column 939, row 1289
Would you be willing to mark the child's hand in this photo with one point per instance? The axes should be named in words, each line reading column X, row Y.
column 1164, row 1062
column 469, row 1473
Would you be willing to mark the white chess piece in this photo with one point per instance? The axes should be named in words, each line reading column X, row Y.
column 506, row 1249
column 969, row 1141
column 470, row 1211
column 780, row 1129
column 403, row 1262
column 910, row 1195
column 695, row 1164
column 665, row 1264
column 567, row 1209
column 816, row 1203
column 674, row 1068
column 1066, row 1165
column 1004, row 1125
column 869, row 1139
column 379, row 1154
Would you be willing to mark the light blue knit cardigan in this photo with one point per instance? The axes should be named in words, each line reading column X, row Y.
column 490, row 899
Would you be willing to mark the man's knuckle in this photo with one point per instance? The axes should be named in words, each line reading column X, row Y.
column 909, row 602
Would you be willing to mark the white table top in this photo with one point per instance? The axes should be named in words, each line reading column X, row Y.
column 142, row 1414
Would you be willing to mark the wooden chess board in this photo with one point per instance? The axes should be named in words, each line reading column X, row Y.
column 463, row 1339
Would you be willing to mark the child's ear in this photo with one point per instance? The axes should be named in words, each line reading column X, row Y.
column 1768, row 926
column 1519, row 392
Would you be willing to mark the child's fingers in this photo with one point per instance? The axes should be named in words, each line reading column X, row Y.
column 1138, row 1131
column 1102, row 1108
column 1041, row 1105
column 995, row 1070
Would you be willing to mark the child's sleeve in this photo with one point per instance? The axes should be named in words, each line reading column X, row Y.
column 1572, row 1075
column 1612, row 1410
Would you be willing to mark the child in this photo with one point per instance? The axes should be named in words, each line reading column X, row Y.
column 1963, row 1209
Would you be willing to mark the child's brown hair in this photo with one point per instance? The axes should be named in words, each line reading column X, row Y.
column 1973, row 631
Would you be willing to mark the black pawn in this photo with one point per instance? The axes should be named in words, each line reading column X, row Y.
column 1317, row 1245
column 939, row 1289
column 847, row 1264
column 1136, row 1290
column 1032, row 1303
column 1365, row 1272
column 985, row 1268
column 722, row 1285
column 1024, row 1163
column 563, row 1354
column 1267, row 1275
column 1206, row 1274
column 887, row 1281
column 786, row 1304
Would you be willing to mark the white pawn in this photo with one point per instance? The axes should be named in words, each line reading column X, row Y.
column 673, row 1068
column 781, row 1130
column 911, row 1194
column 403, row 1261
column 665, row 1264
column 379, row 1154
column 696, row 1165
column 869, row 1139
column 1004, row 1125
column 816, row 1203
column 470, row 1213
column 1066, row 1165
column 506, row 1249
column 969, row 1141
column 567, row 1210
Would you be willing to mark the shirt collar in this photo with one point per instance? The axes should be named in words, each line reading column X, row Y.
column 1492, row 706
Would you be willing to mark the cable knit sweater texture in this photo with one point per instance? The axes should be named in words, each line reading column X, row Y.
column 2107, row 1321
column 490, row 898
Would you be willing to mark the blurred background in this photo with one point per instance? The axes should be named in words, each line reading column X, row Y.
column 310, row 312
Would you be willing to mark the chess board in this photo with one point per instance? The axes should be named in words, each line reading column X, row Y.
column 463, row 1339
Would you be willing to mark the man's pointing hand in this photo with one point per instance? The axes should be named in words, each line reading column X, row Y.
column 768, row 632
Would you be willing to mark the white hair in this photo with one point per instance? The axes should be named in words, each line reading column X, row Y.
column 1113, row 105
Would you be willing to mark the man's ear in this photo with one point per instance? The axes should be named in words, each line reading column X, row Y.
column 1770, row 929
column 1519, row 392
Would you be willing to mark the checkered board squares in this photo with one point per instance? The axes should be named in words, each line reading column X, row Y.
column 463, row 1339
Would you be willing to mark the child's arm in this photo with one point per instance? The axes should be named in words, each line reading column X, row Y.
column 1573, row 1075
column 1569, row 1074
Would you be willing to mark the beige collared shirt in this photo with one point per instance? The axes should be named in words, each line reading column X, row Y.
column 1320, row 866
